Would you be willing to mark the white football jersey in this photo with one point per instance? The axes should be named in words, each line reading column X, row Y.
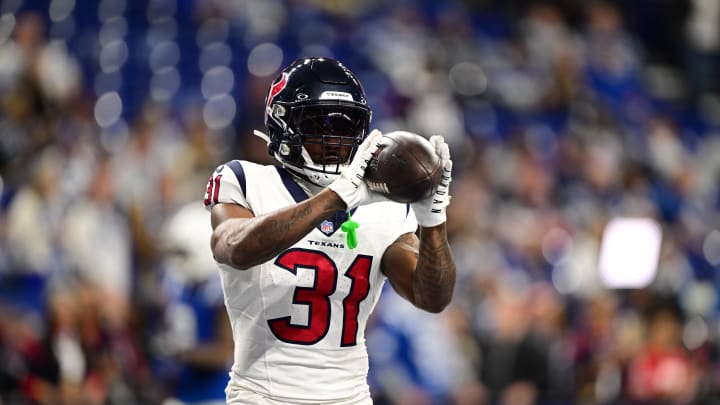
column 298, row 320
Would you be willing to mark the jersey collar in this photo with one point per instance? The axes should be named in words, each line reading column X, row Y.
column 297, row 193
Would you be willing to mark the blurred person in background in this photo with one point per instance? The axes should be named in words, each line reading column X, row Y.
column 549, row 335
column 276, row 241
column 25, row 133
column 613, row 61
column 594, row 349
column 146, row 169
column 196, row 337
column 97, row 244
column 35, row 75
column 514, row 366
column 30, row 56
column 662, row 372
column 34, row 218
column 96, row 239
column 702, row 31
column 418, row 358
column 71, row 359
column 31, row 371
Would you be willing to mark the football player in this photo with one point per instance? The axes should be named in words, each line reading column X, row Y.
column 194, row 344
column 305, row 247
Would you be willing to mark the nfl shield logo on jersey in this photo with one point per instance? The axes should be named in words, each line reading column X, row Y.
column 327, row 227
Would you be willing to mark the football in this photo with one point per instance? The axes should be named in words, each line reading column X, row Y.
column 405, row 167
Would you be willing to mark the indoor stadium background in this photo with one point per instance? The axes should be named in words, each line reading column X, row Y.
column 584, row 218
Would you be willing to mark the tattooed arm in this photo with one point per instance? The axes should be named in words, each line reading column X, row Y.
column 422, row 271
column 242, row 240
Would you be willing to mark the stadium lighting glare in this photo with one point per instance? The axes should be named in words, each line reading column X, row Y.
column 219, row 112
column 265, row 59
column 630, row 252
column 164, row 54
column 217, row 81
column 60, row 9
column 108, row 109
column 711, row 247
column 215, row 54
column 164, row 84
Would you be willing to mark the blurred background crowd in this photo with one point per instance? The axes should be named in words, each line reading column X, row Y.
column 561, row 115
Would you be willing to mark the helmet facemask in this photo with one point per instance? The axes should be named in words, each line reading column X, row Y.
column 323, row 138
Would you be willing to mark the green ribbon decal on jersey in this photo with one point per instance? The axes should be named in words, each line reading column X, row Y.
column 349, row 228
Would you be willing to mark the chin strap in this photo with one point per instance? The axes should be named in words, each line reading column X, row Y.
column 349, row 227
column 262, row 135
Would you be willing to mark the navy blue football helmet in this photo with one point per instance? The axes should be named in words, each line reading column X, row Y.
column 316, row 116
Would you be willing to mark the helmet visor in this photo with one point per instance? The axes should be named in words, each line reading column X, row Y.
column 331, row 133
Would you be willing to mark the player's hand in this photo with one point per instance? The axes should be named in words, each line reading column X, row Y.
column 350, row 186
column 431, row 211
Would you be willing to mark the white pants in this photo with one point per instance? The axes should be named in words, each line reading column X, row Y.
column 241, row 396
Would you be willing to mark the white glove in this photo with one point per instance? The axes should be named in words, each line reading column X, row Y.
column 431, row 211
column 350, row 186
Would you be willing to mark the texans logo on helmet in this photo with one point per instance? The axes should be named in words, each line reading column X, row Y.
column 275, row 89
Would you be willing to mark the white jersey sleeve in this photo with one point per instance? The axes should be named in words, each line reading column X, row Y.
column 227, row 184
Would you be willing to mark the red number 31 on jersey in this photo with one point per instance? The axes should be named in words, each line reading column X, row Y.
column 213, row 190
